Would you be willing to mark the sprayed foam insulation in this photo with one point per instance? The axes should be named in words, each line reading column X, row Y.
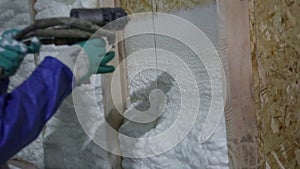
column 275, row 36
column 190, row 153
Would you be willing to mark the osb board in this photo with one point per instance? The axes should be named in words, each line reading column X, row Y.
column 275, row 32
column 254, row 63
column 136, row 6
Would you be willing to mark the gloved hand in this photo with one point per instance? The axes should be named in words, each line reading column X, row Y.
column 12, row 52
column 92, row 59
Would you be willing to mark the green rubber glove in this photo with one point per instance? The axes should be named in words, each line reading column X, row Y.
column 87, row 58
column 98, row 58
column 12, row 52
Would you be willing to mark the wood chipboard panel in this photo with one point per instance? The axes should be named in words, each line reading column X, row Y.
column 275, row 38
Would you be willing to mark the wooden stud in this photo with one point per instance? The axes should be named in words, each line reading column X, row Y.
column 113, row 117
column 242, row 134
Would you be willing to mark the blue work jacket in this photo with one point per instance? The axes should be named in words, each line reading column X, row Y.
column 24, row 111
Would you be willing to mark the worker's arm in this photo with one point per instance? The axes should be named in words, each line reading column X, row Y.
column 24, row 112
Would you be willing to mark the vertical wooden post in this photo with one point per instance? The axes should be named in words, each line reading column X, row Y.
column 112, row 115
column 32, row 10
column 241, row 126
column 33, row 13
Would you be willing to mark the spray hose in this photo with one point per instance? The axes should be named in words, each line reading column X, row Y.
column 81, row 25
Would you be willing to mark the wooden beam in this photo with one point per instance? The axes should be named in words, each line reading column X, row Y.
column 32, row 10
column 123, row 69
column 20, row 163
column 33, row 13
column 242, row 134
column 112, row 115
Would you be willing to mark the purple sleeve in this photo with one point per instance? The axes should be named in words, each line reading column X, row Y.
column 3, row 85
column 24, row 111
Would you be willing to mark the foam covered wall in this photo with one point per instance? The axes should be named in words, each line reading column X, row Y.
column 63, row 144
column 189, row 153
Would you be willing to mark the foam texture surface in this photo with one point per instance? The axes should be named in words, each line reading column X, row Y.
column 190, row 153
